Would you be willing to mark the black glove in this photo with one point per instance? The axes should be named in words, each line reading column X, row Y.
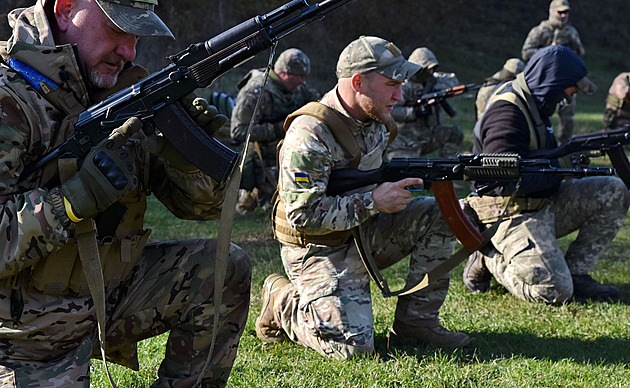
column 206, row 115
column 106, row 175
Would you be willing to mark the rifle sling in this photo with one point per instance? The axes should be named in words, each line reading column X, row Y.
column 364, row 249
column 226, row 223
column 85, row 234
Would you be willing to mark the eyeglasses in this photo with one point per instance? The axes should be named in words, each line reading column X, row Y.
column 565, row 12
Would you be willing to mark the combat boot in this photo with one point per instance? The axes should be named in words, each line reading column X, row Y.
column 585, row 287
column 267, row 328
column 431, row 334
column 477, row 277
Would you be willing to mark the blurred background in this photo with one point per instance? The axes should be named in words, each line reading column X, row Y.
column 471, row 38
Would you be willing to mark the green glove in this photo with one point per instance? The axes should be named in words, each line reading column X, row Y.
column 106, row 175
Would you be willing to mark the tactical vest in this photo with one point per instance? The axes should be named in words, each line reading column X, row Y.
column 489, row 208
column 339, row 125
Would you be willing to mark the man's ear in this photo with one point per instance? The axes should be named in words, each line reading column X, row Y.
column 357, row 81
column 63, row 13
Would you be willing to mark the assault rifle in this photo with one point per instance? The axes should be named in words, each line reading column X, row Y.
column 482, row 168
column 439, row 174
column 596, row 144
column 157, row 96
column 440, row 96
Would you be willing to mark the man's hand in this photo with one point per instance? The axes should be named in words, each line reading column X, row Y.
column 106, row 175
column 392, row 197
column 206, row 115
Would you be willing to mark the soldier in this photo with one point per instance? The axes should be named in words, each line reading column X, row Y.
column 525, row 257
column 286, row 90
column 556, row 31
column 83, row 50
column 617, row 111
column 420, row 130
column 508, row 72
column 325, row 303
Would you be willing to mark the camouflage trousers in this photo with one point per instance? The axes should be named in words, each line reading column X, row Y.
column 526, row 259
column 328, row 305
column 564, row 131
column 171, row 288
column 447, row 139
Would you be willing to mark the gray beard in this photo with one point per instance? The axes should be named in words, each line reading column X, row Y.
column 101, row 80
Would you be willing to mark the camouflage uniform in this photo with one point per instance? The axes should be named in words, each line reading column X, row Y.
column 420, row 133
column 526, row 258
column 276, row 103
column 328, row 305
column 617, row 111
column 508, row 72
column 48, row 326
column 554, row 32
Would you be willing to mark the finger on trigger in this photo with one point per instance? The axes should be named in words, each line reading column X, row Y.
column 119, row 136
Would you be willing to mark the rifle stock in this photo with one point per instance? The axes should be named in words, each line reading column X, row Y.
column 196, row 67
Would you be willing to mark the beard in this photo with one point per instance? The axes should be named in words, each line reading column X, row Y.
column 370, row 109
column 104, row 81
column 372, row 112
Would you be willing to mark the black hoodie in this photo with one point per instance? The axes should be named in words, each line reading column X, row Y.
column 504, row 128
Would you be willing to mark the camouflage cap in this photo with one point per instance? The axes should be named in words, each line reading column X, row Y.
column 369, row 53
column 514, row 66
column 293, row 61
column 424, row 57
column 135, row 17
column 560, row 5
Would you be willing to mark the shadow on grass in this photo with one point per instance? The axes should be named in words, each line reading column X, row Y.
column 489, row 346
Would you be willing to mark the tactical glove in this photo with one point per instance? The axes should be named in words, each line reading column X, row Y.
column 205, row 115
column 106, row 175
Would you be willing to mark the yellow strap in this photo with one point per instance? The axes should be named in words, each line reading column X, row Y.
column 70, row 211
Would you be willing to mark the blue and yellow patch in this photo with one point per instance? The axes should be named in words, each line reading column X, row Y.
column 301, row 177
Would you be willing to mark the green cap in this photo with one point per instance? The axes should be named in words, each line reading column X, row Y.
column 293, row 61
column 369, row 53
column 424, row 57
column 560, row 5
column 135, row 17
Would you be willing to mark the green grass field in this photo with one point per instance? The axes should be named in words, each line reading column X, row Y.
column 514, row 344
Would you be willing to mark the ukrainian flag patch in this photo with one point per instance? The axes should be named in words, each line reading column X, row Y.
column 301, row 177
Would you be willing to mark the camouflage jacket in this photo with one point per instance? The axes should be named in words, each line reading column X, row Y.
column 276, row 103
column 619, row 94
column 31, row 220
column 307, row 156
column 545, row 34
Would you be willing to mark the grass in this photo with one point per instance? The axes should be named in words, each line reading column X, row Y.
column 514, row 343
